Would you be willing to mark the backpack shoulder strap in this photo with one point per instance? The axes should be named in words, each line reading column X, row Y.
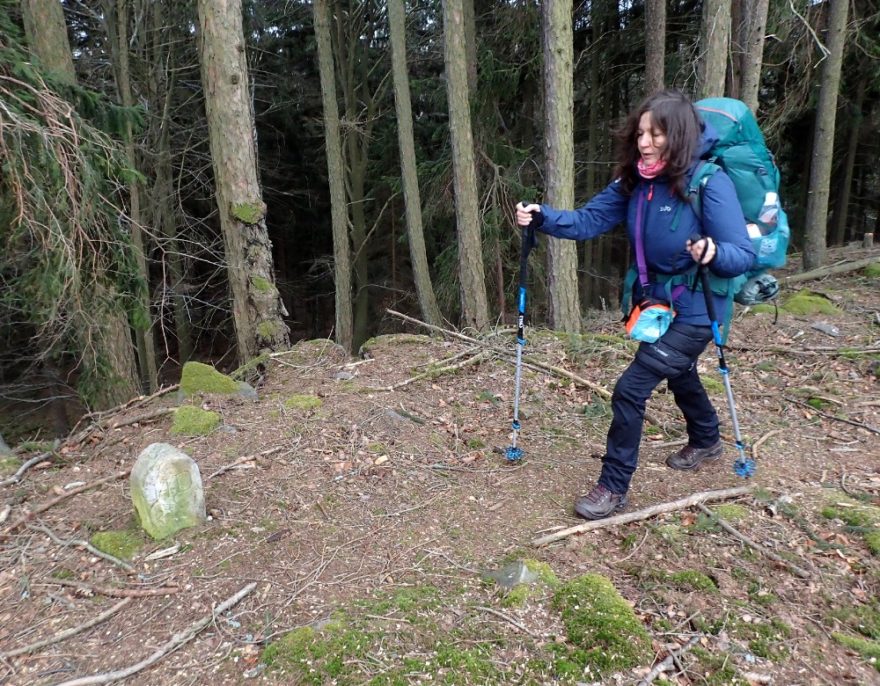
column 694, row 190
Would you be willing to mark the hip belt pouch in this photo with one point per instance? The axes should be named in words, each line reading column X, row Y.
column 648, row 320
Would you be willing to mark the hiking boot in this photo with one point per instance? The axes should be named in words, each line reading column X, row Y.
column 599, row 503
column 690, row 457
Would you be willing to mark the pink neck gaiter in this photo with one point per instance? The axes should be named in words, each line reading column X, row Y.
column 650, row 171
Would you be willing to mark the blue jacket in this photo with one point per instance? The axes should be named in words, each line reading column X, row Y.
column 664, row 243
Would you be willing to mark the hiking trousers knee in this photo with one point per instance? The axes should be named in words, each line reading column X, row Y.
column 673, row 358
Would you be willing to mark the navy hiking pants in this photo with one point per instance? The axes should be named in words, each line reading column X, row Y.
column 674, row 358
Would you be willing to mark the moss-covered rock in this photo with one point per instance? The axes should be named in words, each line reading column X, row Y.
column 604, row 631
column 807, row 303
column 194, row 421
column 203, row 378
column 303, row 402
column 122, row 544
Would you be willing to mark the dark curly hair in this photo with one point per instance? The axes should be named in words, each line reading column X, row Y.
column 674, row 114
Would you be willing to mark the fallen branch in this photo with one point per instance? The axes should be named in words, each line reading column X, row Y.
column 668, row 662
column 757, row 444
column 501, row 351
column 508, row 618
column 851, row 422
column 802, row 573
column 171, row 645
column 830, row 271
column 52, row 503
column 112, row 592
column 242, row 460
column 145, row 417
column 37, row 459
column 67, row 633
column 84, row 544
column 647, row 513
column 431, row 373
column 140, row 400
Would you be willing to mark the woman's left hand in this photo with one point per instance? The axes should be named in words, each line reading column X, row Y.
column 703, row 250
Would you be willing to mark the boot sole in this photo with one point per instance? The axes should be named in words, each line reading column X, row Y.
column 592, row 517
column 696, row 467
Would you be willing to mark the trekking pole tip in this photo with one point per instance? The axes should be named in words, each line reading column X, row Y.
column 744, row 467
column 513, row 454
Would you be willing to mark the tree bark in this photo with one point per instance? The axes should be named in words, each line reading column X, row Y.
column 471, row 274
column 408, row 169
column 256, row 304
column 655, row 45
column 559, row 159
column 46, row 34
column 816, row 224
column 841, row 211
column 116, row 17
column 715, row 43
column 336, row 176
column 755, row 24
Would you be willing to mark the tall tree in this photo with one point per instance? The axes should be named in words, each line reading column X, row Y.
column 409, row 175
column 116, row 17
column 856, row 117
column 472, row 282
column 754, row 25
column 816, row 224
column 46, row 34
column 655, row 44
column 256, row 305
column 714, row 44
column 559, row 158
column 336, row 177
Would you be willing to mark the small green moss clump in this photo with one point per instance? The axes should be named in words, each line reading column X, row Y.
column 303, row 402
column 712, row 385
column 262, row 284
column 268, row 329
column 9, row 464
column 120, row 544
column 314, row 656
column 872, row 539
column 807, row 303
column 197, row 377
column 863, row 646
column 872, row 271
column 606, row 634
column 248, row 212
column 194, row 421
column 731, row 512
column 692, row 580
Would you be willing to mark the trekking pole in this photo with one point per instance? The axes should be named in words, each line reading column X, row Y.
column 529, row 240
column 744, row 466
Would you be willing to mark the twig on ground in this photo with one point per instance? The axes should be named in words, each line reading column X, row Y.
column 802, row 573
column 242, row 460
column 112, row 592
column 67, row 633
column 83, row 544
column 171, row 645
column 647, row 513
column 757, row 444
column 507, row 618
column 634, row 550
column 851, row 422
column 37, row 459
column 52, row 503
column 145, row 417
column 479, row 357
column 140, row 400
column 843, row 486
column 669, row 661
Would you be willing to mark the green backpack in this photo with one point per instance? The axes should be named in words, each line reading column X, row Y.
column 742, row 153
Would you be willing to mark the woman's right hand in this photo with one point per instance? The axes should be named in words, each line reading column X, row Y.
column 524, row 214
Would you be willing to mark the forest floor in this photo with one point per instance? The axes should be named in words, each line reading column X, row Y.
column 359, row 528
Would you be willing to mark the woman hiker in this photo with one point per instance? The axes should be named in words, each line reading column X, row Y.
column 658, row 149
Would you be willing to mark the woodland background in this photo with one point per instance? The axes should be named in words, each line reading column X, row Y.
column 217, row 180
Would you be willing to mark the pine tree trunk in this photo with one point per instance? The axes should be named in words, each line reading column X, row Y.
column 715, row 43
column 559, row 159
column 471, row 273
column 116, row 16
column 46, row 34
column 256, row 304
column 655, row 45
column 755, row 21
column 408, row 169
column 816, row 224
column 336, row 176
column 841, row 211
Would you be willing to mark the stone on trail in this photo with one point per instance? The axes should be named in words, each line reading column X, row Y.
column 167, row 491
column 513, row 574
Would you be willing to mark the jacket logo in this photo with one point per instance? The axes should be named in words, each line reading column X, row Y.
column 666, row 208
